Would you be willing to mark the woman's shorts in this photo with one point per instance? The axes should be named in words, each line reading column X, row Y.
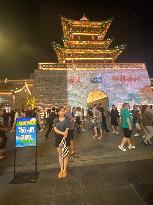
column 58, row 140
column 98, row 124
column 127, row 132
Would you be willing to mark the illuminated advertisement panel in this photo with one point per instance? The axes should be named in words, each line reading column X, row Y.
column 122, row 83
column 25, row 132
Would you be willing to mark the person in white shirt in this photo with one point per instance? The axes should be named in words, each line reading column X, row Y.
column 79, row 118
column 17, row 114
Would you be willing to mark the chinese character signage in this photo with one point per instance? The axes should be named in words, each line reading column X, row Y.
column 122, row 83
column 96, row 80
column 73, row 80
column 25, row 132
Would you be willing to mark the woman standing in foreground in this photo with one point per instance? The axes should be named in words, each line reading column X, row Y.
column 61, row 127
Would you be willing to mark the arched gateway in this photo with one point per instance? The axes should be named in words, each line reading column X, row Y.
column 96, row 97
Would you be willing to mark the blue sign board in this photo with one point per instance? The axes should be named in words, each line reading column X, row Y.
column 26, row 132
column 96, row 80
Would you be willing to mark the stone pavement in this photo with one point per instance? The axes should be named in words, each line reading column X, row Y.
column 90, row 151
column 128, row 183
column 102, row 175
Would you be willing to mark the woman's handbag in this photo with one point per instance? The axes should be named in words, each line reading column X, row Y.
column 65, row 149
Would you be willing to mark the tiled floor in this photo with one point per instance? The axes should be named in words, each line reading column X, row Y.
column 103, row 175
column 129, row 183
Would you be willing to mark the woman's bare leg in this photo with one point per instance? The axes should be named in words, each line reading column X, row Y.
column 66, row 159
column 95, row 130
column 60, row 158
column 101, row 133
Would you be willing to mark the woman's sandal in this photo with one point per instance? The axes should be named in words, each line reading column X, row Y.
column 75, row 155
column 60, row 174
column 64, row 174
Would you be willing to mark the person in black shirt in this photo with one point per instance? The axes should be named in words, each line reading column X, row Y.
column 90, row 113
column 5, row 119
column 114, row 114
column 50, row 120
column 136, row 120
column 104, row 123
column 12, row 116
column 29, row 112
column 36, row 114
column 3, row 136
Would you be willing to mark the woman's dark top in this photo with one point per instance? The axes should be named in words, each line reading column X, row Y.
column 61, row 126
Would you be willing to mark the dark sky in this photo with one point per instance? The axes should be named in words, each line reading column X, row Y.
column 28, row 27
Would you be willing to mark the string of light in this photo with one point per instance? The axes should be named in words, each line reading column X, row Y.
column 25, row 86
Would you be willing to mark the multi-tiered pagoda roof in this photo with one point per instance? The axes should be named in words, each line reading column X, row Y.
column 84, row 41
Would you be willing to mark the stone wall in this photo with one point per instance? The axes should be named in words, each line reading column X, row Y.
column 57, row 83
column 50, row 87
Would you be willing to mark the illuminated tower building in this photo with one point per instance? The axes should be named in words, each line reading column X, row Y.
column 87, row 71
column 84, row 42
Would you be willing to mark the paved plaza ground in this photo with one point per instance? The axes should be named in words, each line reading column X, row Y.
column 102, row 174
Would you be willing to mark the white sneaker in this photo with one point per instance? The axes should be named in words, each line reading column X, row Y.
column 41, row 130
column 149, row 142
column 122, row 148
column 117, row 133
column 136, row 135
column 113, row 132
column 131, row 146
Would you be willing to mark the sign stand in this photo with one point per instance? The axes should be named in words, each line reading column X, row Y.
column 14, row 162
column 26, row 136
column 36, row 157
column 36, row 172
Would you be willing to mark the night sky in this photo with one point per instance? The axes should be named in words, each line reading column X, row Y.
column 28, row 27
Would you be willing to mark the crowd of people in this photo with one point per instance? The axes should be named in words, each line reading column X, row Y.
column 8, row 121
column 139, row 120
column 67, row 122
